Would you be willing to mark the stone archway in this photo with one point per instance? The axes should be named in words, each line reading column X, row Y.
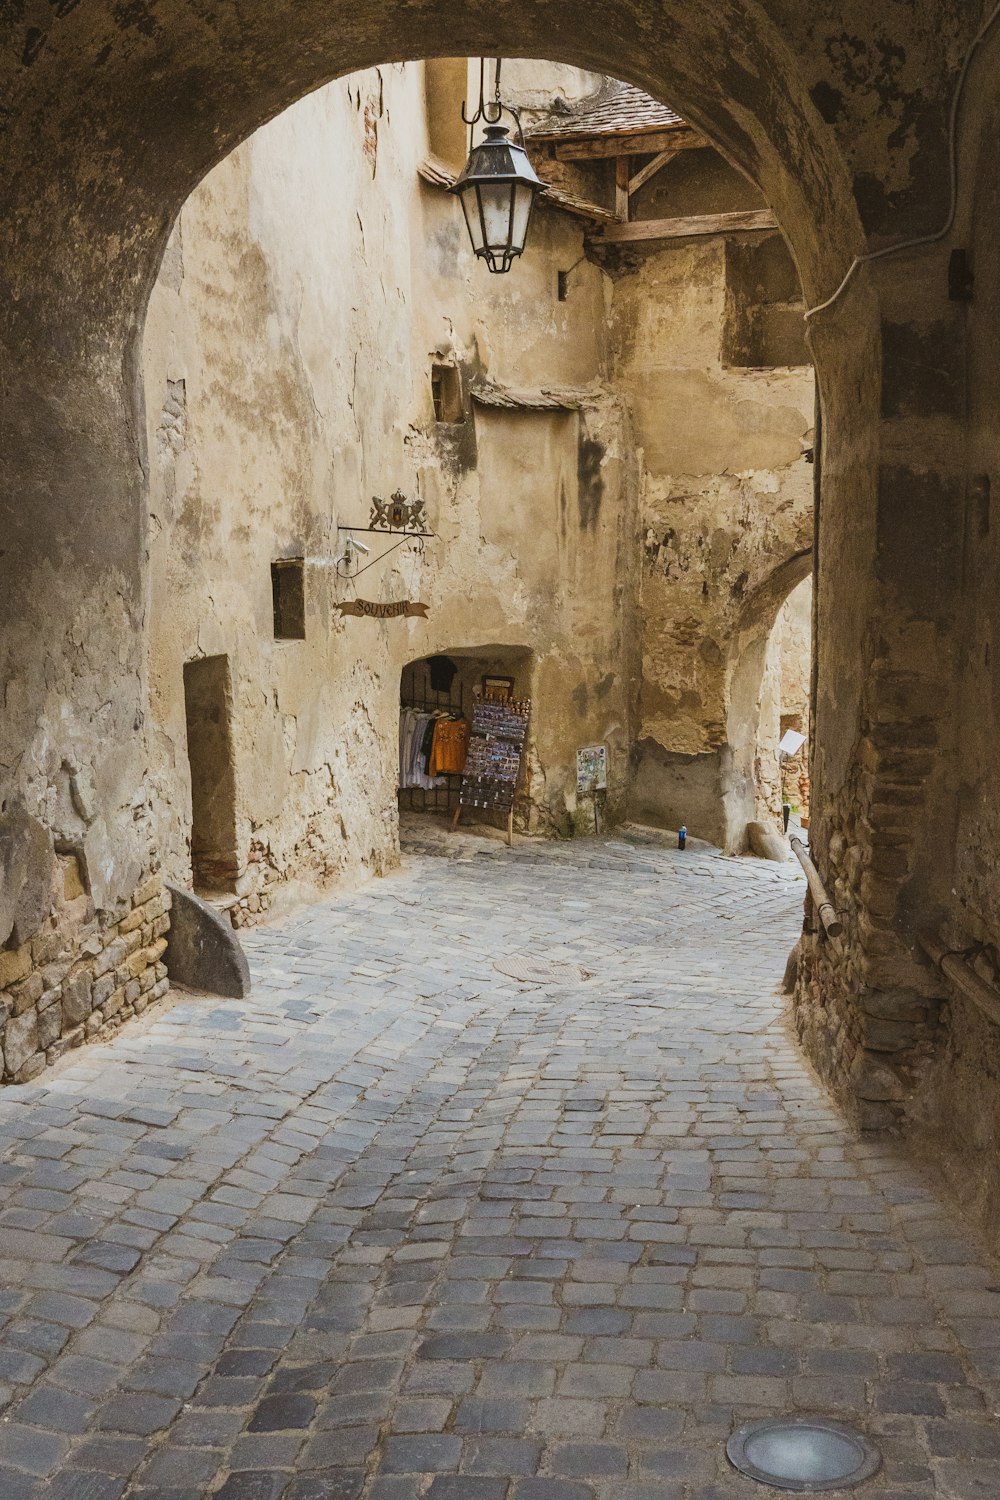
column 112, row 116
column 113, row 122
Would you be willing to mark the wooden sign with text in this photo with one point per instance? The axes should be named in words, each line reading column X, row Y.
column 372, row 610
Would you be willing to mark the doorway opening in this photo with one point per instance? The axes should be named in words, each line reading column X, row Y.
column 771, row 643
column 208, row 704
column 437, row 701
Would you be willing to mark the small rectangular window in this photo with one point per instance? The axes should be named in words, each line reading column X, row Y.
column 562, row 285
column 289, row 599
column 446, row 393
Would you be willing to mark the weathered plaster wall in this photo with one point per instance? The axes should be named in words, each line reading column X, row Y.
column 792, row 638
column 956, row 1109
column 287, row 359
column 726, row 503
column 893, row 746
column 113, row 113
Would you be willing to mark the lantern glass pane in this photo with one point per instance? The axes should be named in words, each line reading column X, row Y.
column 495, row 198
column 523, row 199
column 469, row 198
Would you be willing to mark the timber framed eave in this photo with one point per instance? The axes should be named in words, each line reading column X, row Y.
column 753, row 221
column 623, row 143
column 436, row 174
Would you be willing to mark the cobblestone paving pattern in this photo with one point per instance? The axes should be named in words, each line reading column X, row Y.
column 400, row 1226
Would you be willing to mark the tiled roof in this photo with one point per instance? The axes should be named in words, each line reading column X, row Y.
column 437, row 174
column 618, row 109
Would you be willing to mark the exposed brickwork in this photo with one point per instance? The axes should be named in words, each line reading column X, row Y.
column 64, row 987
column 868, row 1007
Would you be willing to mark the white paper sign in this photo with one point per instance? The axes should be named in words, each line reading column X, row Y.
column 791, row 742
column 592, row 768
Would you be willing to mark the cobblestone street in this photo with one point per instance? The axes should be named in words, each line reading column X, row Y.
column 402, row 1224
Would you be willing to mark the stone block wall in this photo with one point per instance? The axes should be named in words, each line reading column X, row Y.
column 868, row 1008
column 67, row 985
column 251, row 900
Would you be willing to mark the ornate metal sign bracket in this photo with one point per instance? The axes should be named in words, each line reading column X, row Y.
column 398, row 517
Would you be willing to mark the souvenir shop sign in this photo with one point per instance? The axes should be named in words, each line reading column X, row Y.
column 372, row 610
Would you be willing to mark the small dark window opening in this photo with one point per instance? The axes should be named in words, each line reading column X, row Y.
column 288, row 597
column 562, row 285
column 446, row 393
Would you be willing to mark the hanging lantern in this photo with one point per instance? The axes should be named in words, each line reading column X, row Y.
column 497, row 186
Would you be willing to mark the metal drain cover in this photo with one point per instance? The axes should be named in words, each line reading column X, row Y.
column 539, row 970
column 803, row 1454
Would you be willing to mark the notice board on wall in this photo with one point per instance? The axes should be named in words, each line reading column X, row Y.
column 496, row 750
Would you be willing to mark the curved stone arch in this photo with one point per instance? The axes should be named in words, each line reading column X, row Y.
column 745, row 671
column 760, row 607
column 120, row 115
column 112, row 118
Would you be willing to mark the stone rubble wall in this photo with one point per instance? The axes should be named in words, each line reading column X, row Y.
column 64, row 987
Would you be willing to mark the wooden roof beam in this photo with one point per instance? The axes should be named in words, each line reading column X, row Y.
column 599, row 148
column 651, row 168
column 751, row 220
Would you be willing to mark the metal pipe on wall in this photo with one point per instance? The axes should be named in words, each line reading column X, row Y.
column 825, row 909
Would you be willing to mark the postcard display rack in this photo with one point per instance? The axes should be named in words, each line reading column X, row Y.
column 496, row 750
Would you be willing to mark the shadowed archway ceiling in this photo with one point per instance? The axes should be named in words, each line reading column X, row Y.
column 115, row 110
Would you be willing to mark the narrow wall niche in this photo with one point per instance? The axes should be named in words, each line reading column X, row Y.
column 288, row 598
column 446, row 393
column 445, row 84
column 208, row 702
column 764, row 327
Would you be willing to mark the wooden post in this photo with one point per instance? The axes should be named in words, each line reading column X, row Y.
column 458, row 814
column 510, row 829
column 621, row 189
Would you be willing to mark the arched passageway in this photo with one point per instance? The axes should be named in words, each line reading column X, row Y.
column 112, row 117
column 781, row 764
column 748, row 657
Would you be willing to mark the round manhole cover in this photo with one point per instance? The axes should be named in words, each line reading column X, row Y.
column 802, row 1454
column 539, row 970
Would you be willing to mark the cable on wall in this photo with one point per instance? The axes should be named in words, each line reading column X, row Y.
column 945, row 230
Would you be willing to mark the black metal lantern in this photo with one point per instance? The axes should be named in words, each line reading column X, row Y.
column 497, row 186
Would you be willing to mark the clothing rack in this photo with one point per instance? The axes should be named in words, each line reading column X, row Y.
column 417, row 693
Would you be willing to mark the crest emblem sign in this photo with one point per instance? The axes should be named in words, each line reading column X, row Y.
column 398, row 514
